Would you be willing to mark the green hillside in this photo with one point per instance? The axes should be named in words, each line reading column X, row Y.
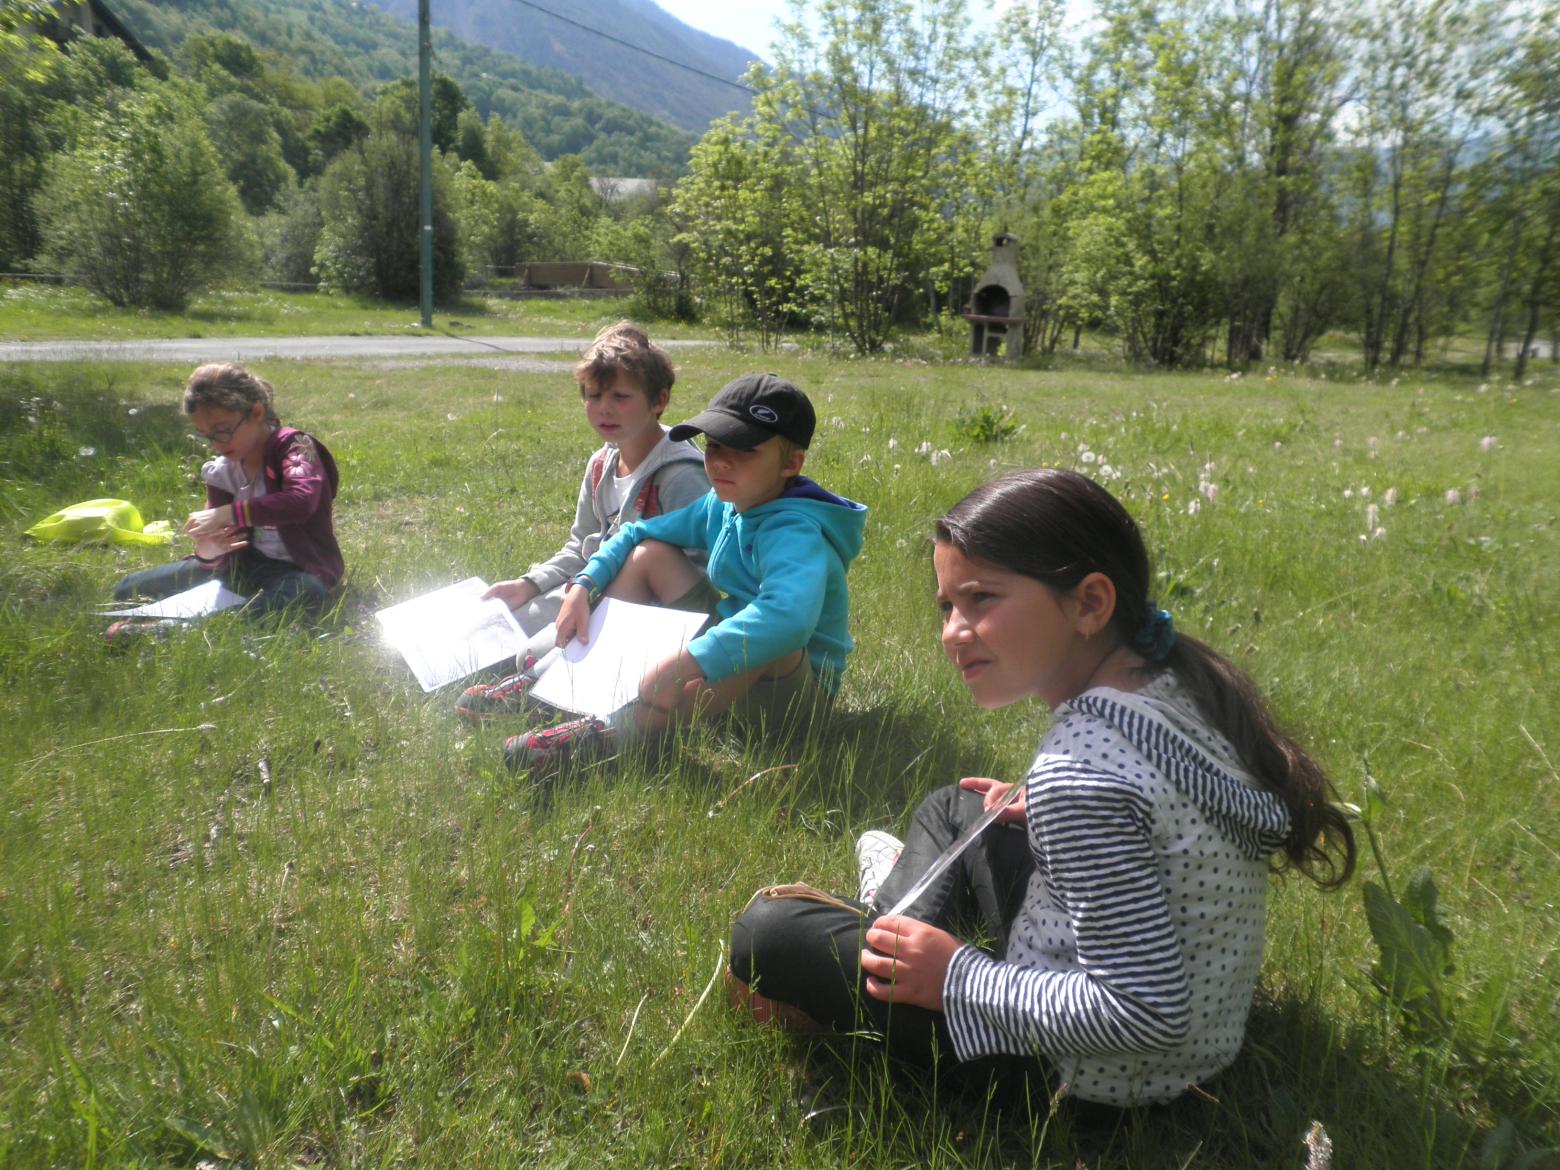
column 324, row 38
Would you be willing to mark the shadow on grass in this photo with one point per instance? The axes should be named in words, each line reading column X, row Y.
column 1296, row 1070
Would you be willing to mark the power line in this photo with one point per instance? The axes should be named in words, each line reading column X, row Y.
column 633, row 47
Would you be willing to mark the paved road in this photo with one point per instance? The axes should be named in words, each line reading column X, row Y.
column 206, row 349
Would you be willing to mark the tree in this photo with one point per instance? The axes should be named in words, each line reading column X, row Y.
column 251, row 150
column 370, row 206
column 141, row 211
column 741, row 214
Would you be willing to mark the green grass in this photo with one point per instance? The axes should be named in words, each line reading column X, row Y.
column 264, row 903
column 39, row 312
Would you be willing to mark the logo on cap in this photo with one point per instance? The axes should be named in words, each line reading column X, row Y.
column 763, row 413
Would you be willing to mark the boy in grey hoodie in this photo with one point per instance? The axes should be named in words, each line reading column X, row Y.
column 625, row 384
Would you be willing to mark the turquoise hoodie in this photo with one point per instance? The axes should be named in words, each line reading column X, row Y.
column 782, row 566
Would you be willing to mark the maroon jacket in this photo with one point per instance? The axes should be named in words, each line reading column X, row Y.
column 300, row 483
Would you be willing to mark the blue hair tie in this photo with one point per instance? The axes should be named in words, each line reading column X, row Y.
column 1156, row 636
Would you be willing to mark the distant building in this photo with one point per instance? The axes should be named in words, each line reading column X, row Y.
column 86, row 18
column 617, row 190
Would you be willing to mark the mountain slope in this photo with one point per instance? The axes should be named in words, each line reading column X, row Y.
column 317, row 39
column 615, row 71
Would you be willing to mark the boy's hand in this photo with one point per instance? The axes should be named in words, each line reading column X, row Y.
column 906, row 961
column 574, row 616
column 514, row 594
column 993, row 791
column 664, row 683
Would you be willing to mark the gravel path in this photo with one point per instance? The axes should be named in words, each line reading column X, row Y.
column 206, row 349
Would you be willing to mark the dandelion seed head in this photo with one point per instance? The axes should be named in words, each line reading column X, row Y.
column 1390, row 497
column 1488, row 443
column 450, row 416
column 1453, row 497
column 86, row 452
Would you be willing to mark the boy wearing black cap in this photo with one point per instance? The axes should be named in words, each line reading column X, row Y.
column 779, row 547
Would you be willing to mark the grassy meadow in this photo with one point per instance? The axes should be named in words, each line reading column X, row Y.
column 263, row 903
column 41, row 312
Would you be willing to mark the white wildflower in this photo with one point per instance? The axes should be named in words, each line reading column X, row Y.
column 924, row 449
column 1319, row 1148
column 864, row 461
column 497, row 397
column 86, row 452
column 1453, row 497
column 1390, row 497
column 450, row 416
column 893, row 443
column 1473, row 492
column 1348, row 493
column 1193, row 506
column 1088, row 456
column 1209, row 490
column 134, row 410
column 1278, row 445
column 837, row 423
column 1487, row 443
column 1372, row 515
column 941, row 456
column 1365, row 492
column 1377, row 533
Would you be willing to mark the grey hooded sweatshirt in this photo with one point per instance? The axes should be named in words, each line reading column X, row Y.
column 670, row 477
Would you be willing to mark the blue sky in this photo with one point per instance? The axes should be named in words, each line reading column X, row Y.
column 750, row 23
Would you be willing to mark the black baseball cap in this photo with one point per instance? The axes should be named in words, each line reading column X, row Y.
column 750, row 409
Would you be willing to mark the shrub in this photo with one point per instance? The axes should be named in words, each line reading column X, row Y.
column 141, row 210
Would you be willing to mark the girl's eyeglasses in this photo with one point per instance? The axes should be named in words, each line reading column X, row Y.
column 222, row 434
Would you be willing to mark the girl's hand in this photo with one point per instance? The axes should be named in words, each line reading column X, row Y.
column 211, row 548
column 514, row 594
column 210, row 522
column 993, row 791
column 574, row 616
column 907, row 961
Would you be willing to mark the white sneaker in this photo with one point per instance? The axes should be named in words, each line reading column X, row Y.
column 876, row 853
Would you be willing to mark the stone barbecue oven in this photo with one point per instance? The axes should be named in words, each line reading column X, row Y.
column 996, row 308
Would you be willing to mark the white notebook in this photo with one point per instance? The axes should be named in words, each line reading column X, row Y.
column 205, row 599
column 451, row 633
column 603, row 675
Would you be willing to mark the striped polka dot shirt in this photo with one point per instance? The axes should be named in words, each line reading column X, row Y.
column 1131, row 965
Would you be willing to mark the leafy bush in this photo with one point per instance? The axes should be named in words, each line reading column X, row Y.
column 289, row 236
column 985, row 423
column 141, row 211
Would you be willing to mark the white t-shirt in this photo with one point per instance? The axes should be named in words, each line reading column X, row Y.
column 228, row 474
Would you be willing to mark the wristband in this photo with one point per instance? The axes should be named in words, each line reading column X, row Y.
column 205, row 560
column 592, row 590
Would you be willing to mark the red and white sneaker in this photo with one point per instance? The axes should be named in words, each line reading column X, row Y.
column 553, row 747
column 505, row 697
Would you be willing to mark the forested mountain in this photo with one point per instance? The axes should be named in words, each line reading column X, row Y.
column 610, row 69
column 557, row 113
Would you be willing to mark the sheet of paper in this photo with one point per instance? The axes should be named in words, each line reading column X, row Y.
column 450, row 633
column 625, row 641
column 191, row 605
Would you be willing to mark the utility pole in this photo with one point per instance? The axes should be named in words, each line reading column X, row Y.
column 425, row 150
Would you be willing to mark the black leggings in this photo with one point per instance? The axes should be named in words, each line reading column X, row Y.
column 270, row 584
column 808, row 954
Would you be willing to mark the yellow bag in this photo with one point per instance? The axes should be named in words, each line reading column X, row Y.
column 116, row 520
